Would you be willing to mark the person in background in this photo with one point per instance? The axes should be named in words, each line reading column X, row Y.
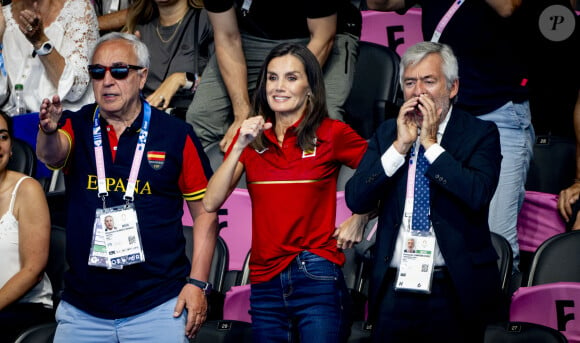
column 449, row 289
column 120, row 155
column 568, row 203
column 246, row 33
column 291, row 152
column 553, row 32
column 111, row 14
column 45, row 46
column 179, row 36
column 493, row 69
column 25, row 290
column 555, row 38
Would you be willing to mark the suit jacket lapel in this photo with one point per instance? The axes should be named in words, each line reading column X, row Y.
column 455, row 132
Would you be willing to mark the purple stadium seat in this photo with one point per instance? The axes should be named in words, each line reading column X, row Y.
column 556, row 305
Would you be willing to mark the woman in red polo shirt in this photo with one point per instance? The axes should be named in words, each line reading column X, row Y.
column 291, row 152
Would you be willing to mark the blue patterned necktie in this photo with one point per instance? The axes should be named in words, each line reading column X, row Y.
column 421, row 201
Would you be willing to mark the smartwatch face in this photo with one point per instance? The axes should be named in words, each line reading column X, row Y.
column 45, row 49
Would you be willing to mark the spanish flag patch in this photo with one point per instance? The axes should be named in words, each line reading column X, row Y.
column 309, row 153
column 156, row 159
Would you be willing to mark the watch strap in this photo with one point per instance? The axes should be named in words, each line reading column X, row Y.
column 206, row 287
column 45, row 49
column 189, row 81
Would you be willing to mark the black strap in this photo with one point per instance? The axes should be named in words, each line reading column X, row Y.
column 196, row 43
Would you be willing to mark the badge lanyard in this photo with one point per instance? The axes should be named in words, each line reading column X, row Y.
column 445, row 20
column 118, row 246
column 410, row 194
column 416, row 269
column 138, row 156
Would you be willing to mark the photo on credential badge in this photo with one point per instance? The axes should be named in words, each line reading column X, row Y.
column 410, row 245
column 109, row 223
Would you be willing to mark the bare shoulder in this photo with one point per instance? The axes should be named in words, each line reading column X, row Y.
column 29, row 186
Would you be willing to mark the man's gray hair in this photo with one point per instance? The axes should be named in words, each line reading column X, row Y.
column 416, row 53
column 140, row 49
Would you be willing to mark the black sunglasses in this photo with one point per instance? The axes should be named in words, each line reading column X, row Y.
column 119, row 71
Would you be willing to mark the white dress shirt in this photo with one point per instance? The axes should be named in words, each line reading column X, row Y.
column 392, row 160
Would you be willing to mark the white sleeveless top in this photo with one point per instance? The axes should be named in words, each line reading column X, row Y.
column 42, row 292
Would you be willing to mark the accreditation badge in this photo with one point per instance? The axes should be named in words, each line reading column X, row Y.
column 416, row 270
column 98, row 256
column 116, row 238
column 122, row 235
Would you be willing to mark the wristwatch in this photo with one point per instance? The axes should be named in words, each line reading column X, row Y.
column 206, row 287
column 191, row 81
column 45, row 49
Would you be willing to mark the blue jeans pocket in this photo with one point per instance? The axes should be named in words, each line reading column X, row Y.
column 316, row 267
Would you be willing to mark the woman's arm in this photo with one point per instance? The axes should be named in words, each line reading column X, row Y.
column 224, row 180
column 226, row 177
column 113, row 21
column 81, row 35
column 31, row 211
column 570, row 195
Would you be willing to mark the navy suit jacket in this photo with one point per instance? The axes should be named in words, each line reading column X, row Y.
column 463, row 180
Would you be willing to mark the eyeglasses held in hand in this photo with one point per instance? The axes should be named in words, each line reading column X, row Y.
column 119, row 71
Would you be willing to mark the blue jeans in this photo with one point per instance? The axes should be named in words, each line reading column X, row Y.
column 307, row 302
column 517, row 139
column 154, row 326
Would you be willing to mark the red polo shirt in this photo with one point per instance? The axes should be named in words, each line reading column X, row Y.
column 294, row 196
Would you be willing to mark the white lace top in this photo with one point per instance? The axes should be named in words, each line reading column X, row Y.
column 73, row 34
column 42, row 292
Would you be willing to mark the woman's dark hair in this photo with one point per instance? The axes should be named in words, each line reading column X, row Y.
column 9, row 123
column 316, row 109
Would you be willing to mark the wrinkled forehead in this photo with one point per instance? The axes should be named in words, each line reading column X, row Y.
column 114, row 51
column 430, row 65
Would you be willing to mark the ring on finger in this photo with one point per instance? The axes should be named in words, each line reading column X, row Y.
column 29, row 28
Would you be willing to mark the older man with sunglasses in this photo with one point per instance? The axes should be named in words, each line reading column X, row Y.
column 126, row 159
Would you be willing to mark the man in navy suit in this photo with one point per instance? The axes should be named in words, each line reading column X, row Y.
column 448, row 289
